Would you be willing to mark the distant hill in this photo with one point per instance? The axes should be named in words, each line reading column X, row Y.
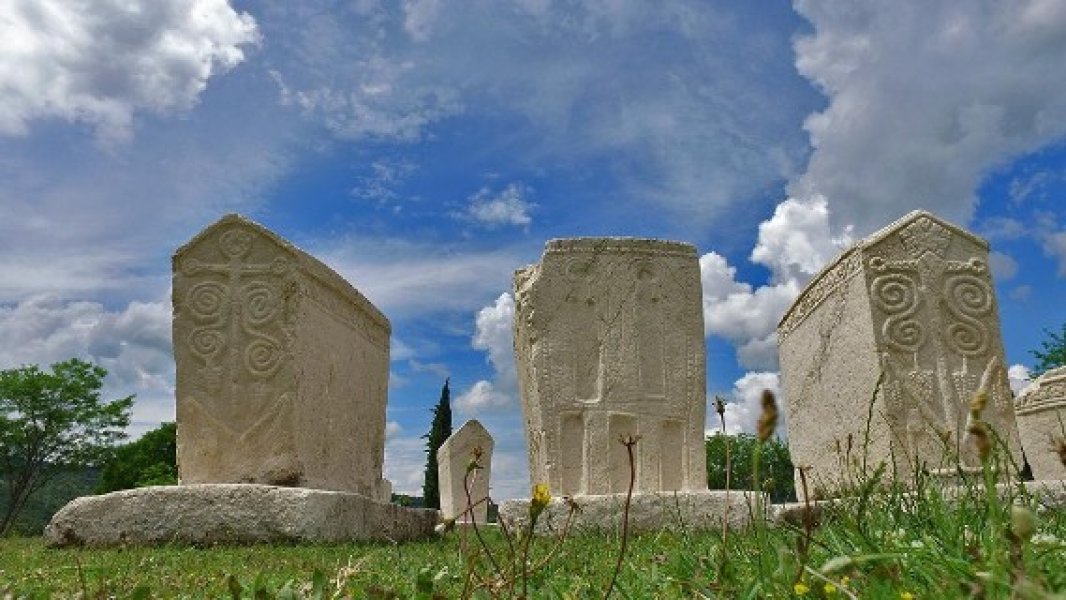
column 49, row 499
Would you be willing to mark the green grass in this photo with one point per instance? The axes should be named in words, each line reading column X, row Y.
column 889, row 544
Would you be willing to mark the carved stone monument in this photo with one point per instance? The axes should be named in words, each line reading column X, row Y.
column 883, row 351
column 282, row 366
column 609, row 343
column 1041, row 413
column 453, row 457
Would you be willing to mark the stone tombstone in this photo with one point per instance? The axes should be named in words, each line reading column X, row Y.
column 883, row 351
column 609, row 343
column 1041, row 414
column 453, row 457
column 281, row 366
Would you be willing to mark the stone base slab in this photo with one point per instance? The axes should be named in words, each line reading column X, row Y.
column 232, row 513
column 692, row 511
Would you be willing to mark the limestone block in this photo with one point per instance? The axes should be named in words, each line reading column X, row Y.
column 453, row 456
column 609, row 343
column 882, row 352
column 282, row 366
column 656, row 511
column 1041, row 414
column 203, row 514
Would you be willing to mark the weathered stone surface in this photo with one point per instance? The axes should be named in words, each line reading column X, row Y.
column 882, row 352
column 453, row 456
column 691, row 511
column 1041, row 414
column 282, row 366
column 232, row 514
column 609, row 343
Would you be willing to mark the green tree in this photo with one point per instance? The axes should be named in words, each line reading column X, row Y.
column 776, row 467
column 53, row 422
column 150, row 460
column 1052, row 352
column 439, row 431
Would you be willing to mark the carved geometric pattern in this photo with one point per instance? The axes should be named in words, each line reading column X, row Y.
column 895, row 294
column 968, row 299
column 925, row 236
column 813, row 296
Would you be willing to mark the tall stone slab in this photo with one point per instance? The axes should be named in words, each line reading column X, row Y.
column 882, row 352
column 609, row 343
column 282, row 366
column 1041, row 414
column 453, row 457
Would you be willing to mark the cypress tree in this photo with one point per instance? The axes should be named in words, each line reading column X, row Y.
column 439, row 431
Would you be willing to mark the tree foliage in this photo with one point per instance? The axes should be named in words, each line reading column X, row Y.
column 52, row 422
column 775, row 467
column 439, row 431
column 150, row 460
column 1052, row 352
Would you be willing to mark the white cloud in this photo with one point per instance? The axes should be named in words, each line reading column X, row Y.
column 796, row 242
column 494, row 334
column 925, row 99
column 1054, row 245
column 100, row 62
column 133, row 344
column 403, row 278
column 744, row 316
column 392, row 429
column 744, row 406
column 1019, row 378
column 508, row 207
column 1004, row 268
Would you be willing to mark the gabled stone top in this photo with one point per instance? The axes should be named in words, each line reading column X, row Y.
column 310, row 264
column 913, row 216
column 845, row 263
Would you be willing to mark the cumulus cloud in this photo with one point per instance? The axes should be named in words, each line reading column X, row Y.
column 924, row 99
column 100, row 62
column 794, row 243
column 494, row 335
column 507, row 207
column 1004, row 268
column 133, row 344
column 1019, row 378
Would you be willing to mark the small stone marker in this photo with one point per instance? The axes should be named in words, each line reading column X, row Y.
column 609, row 343
column 453, row 457
column 282, row 366
column 883, row 351
column 1041, row 413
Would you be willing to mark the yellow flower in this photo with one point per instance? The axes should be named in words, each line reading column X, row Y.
column 540, row 500
column 906, row 596
column 829, row 589
column 800, row 588
column 845, row 581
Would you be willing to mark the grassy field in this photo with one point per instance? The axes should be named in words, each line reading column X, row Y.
column 883, row 545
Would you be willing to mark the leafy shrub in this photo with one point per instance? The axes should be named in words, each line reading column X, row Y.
column 776, row 469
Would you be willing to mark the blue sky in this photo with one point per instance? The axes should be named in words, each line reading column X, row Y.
column 427, row 148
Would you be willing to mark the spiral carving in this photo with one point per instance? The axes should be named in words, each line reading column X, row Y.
column 262, row 357
column 968, row 299
column 206, row 300
column 261, row 304
column 894, row 294
column 206, row 342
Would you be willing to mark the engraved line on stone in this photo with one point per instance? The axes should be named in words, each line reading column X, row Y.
column 968, row 298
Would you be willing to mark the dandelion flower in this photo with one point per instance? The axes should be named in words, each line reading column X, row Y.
column 540, row 500
column 906, row 596
column 829, row 589
column 800, row 588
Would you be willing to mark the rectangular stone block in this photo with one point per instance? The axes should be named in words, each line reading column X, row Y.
column 609, row 343
column 1041, row 414
column 282, row 366
column 453, row 457
column 883, row 351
